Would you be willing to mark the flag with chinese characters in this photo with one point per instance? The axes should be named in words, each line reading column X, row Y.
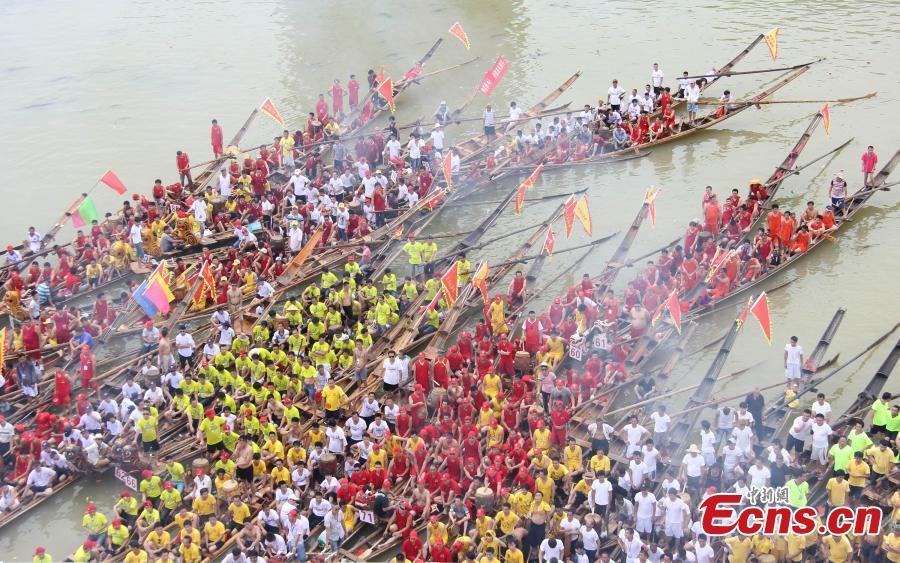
column 113, row 181
column 386, row 90
column 674, row 308
column 760, row 310
column 569, row 214
column 772, row 41
column 493, row 76
column 435, row 199
column 457, row 31
column 398, row 233
column 826, row 119
column 479, row 280
column 450, row 284
column 447, row 168
column 268, row 108
column 583, row 214
column 549, row 242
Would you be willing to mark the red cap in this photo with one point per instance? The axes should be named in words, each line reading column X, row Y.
column 91, row 507
column 168, row 485
column 125, row 494
column 39, row 551
column 480, row 512
column 89, row 544
column 117, row 522
column 434, row 518
column 386, row 484
column 210, row 414
column 146, row 474
column 148, row 503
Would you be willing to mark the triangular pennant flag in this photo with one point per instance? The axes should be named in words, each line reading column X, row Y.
column 760, row 310
column 157, row 294
column 534, row 176
column 268, row 108
column 493, row 76
column 520, row 199
column 569, row 214
column 208, row 280
column 583, row 214
column 435, row 301
column 674, row 310
column 398, row 233
column 826, row 119
column 146, row 305
column 447, row 168
column 436, row 198
column 549, row 242
column 457, row 31
column 479, row 280
column 386, row 90
column 450, row 283
column 85, row 213
column 719, row 260
column 379, row 78
column 741, row 319
column 3, row 346
column 113, row 181
column 772, row 41
column 649, row 199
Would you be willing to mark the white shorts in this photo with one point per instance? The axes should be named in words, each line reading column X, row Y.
column 287, row 160
column 644, row 525
column 792, row 371
column 674, row 530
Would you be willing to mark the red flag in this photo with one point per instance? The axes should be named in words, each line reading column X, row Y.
column 208, row 279
column 760, row 310
column 113, row 181
column 457, row 31
column 674, row 310
column 534, row 175
column 450, row 283
column 398, row 233
column 493, row 76
column 569, row 214
column 520, row 199
column 379, row 78
column 479, row 280
column 583, row 214
column 772, row 41
column 435, row 301
column 826, row 119
column 386, row 89
column 447, row 168
column 268, row 108
column 549, row 242
column 436, row 198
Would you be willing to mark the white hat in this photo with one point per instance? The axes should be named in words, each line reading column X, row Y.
column 693, row 449
column 297, row 172
column 443, row 102
column 437, row 126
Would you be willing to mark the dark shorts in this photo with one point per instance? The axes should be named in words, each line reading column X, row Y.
column 856, row 491
column 151, row 446
column 837, row 202
column 693, row 482
column 390, row 387
column 615, row 106
column 39, row 488
column 793, row 444
column 600, row 444
column 244, row 473
column 213, row 448
column 878, row 428
column 490, row 130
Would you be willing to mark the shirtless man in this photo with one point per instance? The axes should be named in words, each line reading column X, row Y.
column 165, row 352
column 640, row 320
column 243, row 459
column 809, row 213
column 235, row 296
column 421, row 500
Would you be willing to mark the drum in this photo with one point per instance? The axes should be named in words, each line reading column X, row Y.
column 328, row 464
column 229, row 488
column 218, row 205
column 277, row 243
column 201, row 464
column 484, row 498
column 766, row 558
column 436, row 397
column 522, row 361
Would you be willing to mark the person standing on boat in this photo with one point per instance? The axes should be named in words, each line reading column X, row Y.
column 488, row 117
column 793, row 359
column 656, row 78
column 693, row 99
column 837, row 191
column 183, row 162
column 443, row 114
column 614, row 96
column 337, row 97
column 869, row 161
column 216, row 138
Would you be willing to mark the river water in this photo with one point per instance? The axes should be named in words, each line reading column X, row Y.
column 122, row 85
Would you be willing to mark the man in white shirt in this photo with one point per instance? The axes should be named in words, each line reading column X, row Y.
column 600, row 433
column 743, row 437
column 590, row 539
column 34, row 240
column 334, row 528
column 614, row 96
column 656, row 78
column 38, row 481
column 515, row 113
column 820, row 434
column 631, row 544
column 136, row 238
column 798, row 432
column 793, row 360
column 645, row 509
column 821, row 406
column 437, row 139
column 646, row 103
column 692, row 466
column 759, row 474
column 599, row 498
column 661, row 423
column 414, row 147
column 337, row 440
column 633, row 434
column 637, row 470
column 356, row 427
column 693, row 99
column 198, row 206
column 299, row 183
column 185, row 344
column 392, row 368
column 488, row 119
column 703, row 552
column 677, row 514
column 551, row 548
column 731, row 457
column 224, row 183
column 378, row 428
column 296, row 526
column 393, row 148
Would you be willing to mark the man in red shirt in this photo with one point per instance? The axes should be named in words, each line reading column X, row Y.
column 337, row 97
column 353, row 91
column 216, row 138
column 322, row 109
column 412, row 547
column 869, row 160
column 559, row 418
column 183, row 162
column 440, row 552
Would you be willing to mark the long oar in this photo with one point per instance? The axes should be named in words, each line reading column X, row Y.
column 715, row 102
column 760, row 71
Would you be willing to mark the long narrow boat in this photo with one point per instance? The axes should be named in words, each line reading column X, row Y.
column 774, row 417
column 854, row 203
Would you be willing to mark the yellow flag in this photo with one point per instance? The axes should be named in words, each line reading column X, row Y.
column 772, row 41
column 583, row 214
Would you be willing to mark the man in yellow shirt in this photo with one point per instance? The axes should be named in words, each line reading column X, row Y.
column 41, row 556
column 838, row 549
column 334, row 398
column 859, row 471
column 136, row 555
column 190, row 552
column 158, row 541
column 213, row 534
column 572, row 455
column 116, row 536
column 891, row 545
column 204, row 505
column 739, row 547
column 837, row 488
column 599, row 462
column 881, row 459
column 240, row 512
column 506, row 520
column 94, row 523
column 211, row 429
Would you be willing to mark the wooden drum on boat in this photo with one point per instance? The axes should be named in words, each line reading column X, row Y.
column 522, row 361
column 218, row 205
column 229, row 488
column 277, row 242
column 436, row 397
column 328, row 464
column 201, row 464
column 484, row 498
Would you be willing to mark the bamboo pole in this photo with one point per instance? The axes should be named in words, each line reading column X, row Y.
column 759, row 71
column 714, row 102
